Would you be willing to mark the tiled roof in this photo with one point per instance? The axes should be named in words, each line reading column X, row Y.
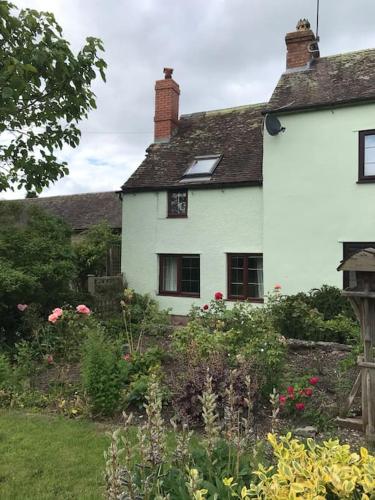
column 235, row 133
column 80, row 211
column 330, row 81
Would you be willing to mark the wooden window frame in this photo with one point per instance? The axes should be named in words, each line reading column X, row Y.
column 245, row 278
column 170, row 215
column 361, row 157
column 179, row 292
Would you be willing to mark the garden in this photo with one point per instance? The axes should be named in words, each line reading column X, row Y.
column 241, row 402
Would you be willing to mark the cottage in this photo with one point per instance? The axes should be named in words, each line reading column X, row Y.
column 223, row 203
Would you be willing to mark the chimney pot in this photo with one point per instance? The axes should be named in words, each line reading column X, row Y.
column 167, row 93
column 302, row 46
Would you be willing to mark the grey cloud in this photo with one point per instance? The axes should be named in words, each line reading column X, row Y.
column 225, row 53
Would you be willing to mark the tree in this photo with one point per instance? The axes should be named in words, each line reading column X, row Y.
column 36, row 261
column 45, row 90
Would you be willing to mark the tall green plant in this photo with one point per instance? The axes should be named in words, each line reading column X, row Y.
column 100, row 373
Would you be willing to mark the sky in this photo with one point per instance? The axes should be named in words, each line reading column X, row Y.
column 224, row 53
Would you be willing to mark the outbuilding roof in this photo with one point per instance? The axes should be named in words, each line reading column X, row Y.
column 234, row 133
column 330, row 81
column 80, row 211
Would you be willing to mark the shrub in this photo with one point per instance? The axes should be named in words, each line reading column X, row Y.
column 100, row 373
column 36, row 263
column 329, row 301
column 6, row 373
column 295, row 316
column 312, row 471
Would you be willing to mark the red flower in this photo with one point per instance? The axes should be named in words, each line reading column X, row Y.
column 300, row 406
column 282, row 400
column 313, row 380
column 205, row 307
column 126, row 357
column 218, row 296
column 49, row 359
column 290, row 390
column 308, row 391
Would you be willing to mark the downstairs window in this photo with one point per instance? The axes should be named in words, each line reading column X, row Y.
column 245, row 277
column 179, row 275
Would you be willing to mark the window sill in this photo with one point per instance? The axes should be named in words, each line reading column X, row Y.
column 186, row 295
column 366, row 181
column 177, row 216
column 245, row 299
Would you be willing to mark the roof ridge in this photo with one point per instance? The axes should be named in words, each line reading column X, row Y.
column 71, row 195
column 340, row 54
column 223, row 110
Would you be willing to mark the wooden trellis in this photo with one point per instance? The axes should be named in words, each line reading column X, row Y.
column 362, row 299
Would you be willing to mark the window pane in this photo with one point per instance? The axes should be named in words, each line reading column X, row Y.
column 169, row 278
column 177, row 203
column 255, row 277
column 203, row 166
column 190, row 274
column 369, row 155
column 236, row 284
column 370, row 141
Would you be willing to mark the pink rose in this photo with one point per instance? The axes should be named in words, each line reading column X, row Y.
column 82, row 309
column 300, row 406
column 308, row 392
column 205, row 307
column 22, row 307
column 218, row 296
column 126, row 357
column 277, row 286
column 49, row 359
column 58, row 312
column 52, row 318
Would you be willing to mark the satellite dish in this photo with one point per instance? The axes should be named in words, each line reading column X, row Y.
column 273, row 125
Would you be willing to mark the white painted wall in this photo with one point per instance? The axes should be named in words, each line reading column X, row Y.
column 219, row 221
column 312, row 201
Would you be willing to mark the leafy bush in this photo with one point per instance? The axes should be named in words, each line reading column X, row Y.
column 100, row 373
column 295, row 316
column 6, row 372
column 312, row 471
column 36, row 263
column 242, row 335
column 329, row 301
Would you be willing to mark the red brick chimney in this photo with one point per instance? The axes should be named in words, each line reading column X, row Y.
column 167, row 94
column 302, row 46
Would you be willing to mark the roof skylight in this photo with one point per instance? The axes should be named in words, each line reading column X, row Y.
column 202, row 166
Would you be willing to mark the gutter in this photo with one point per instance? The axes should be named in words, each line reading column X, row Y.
column 217, row 185
column 318, row 107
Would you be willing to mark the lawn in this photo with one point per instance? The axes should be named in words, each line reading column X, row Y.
column 44, row 457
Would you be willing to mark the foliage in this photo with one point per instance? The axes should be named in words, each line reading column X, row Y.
column 90, row 251
column 149, row 468
column 44, row 91
column 296, row 316
column 298, row 396
column 36, row 263
column 100, row 373
column 6, row 372
column 243, row 334
column 142, row 316
column 312, row 471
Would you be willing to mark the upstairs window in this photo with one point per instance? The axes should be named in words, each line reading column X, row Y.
column 179, row 275
column 367, row 156
column 245, row 277
column 177, row 203
column 202, row 166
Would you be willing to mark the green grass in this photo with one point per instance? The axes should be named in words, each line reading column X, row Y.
column 44, row 457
